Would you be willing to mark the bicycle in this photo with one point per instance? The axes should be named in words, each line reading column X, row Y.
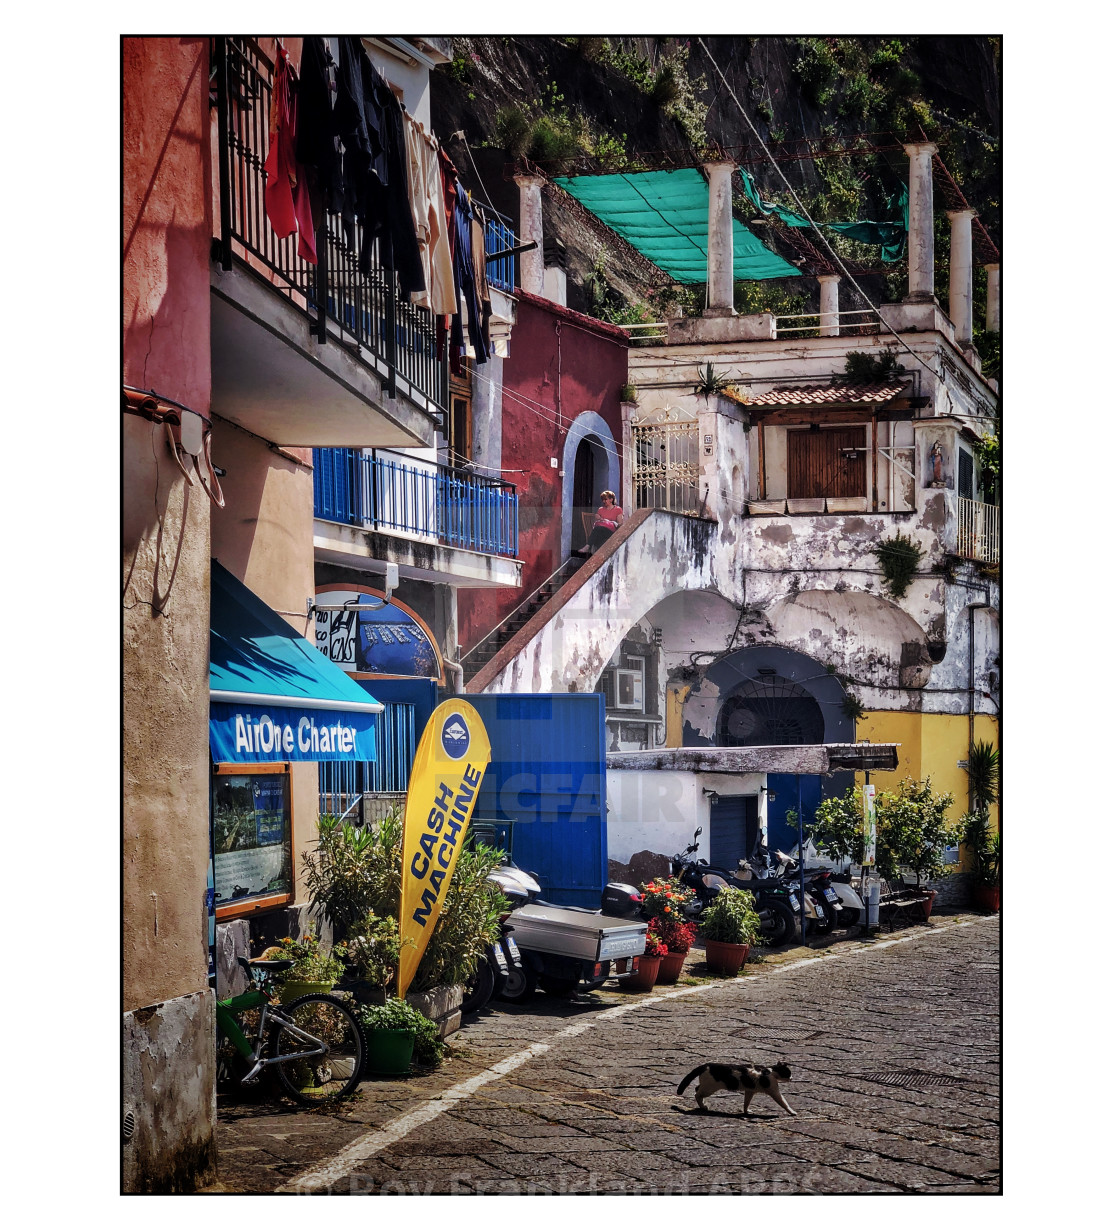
column 315, row 1045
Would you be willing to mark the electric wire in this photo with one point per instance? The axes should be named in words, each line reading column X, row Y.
column 820, row 235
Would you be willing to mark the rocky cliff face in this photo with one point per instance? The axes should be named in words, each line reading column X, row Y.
column 583, row 104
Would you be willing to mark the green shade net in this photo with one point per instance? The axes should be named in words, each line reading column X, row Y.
column 664, row 214
column 889, row 235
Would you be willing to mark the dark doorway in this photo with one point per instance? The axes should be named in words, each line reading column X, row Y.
column 733, row 829
column 584, row 496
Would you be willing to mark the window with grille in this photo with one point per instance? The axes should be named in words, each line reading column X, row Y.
column 768, row 711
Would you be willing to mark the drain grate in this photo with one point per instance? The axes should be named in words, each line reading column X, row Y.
column 912, row 1079
column 775, row 1035
column 128, row 1126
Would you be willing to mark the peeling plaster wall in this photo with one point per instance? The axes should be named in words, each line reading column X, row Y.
column 168, row 1085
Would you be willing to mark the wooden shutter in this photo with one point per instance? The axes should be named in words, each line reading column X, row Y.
column 817, row 465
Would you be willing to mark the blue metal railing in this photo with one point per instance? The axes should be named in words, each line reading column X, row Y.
column 384, row 490
column 499, row 238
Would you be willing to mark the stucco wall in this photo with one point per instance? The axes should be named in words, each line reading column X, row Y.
column 560, row 366
column 166, row 540
column 264, row 537
column 659, row 810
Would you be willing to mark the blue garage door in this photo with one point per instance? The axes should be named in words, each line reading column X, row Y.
column 733, row 829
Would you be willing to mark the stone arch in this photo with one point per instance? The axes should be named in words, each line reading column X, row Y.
column 775, row 689
column 596, row 431
column 866, row 636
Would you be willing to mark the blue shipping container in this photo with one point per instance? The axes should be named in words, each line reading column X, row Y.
column 548, row 781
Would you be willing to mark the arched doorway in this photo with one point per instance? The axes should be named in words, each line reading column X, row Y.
column 584, row 496
column 591, row 449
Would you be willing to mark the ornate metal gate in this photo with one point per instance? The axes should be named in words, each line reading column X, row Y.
column 666, row 461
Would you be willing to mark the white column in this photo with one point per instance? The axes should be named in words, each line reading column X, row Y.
column 531, row 228
column 960, row 273
column 920, row 239
column 991, row 315
column 830, row 304
column 721, row 252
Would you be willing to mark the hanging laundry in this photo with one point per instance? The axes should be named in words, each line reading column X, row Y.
column 478, row 260
column 317, row 145
column 449, row 177
column 286, row 199
column 387, row 213
column 425, row 192
column 466, row 285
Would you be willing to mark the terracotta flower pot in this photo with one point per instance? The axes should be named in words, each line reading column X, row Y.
column 727, row 959
column 927, row 908
column 671, row 966
column 987, row 897
column 645, row 974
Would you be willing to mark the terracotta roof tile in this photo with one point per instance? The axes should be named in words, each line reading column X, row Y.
column 821, row 395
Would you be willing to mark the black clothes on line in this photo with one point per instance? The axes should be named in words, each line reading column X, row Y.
column 317, row 145
column 463, row 265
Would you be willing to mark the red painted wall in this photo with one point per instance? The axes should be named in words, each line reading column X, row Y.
column 166, row 195
column 561, row 365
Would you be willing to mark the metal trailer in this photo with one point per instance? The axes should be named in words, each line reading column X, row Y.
column 566, row 949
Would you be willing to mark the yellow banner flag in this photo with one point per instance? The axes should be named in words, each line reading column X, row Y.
column 451, row 758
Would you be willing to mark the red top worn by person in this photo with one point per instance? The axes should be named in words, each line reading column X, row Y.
column 607, row 519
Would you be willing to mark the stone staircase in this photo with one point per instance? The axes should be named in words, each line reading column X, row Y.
column 474, row 661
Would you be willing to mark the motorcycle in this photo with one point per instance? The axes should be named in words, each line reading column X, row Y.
column 777, row 903
column 838, row 904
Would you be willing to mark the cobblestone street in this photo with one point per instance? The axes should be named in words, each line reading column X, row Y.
column 894, row 1048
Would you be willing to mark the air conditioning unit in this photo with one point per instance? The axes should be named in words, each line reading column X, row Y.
column 628, row 688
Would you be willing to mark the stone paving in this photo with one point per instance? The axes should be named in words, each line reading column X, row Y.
column 895, row 1057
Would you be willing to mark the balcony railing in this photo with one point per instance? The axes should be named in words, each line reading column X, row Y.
column 366, row 311
column 387, row 491
column 978, row 531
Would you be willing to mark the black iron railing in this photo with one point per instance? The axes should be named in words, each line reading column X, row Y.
column 393, row 336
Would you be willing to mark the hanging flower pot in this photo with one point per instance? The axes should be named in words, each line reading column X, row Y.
column 726, row 959
column 645, row 974
column 671, row 965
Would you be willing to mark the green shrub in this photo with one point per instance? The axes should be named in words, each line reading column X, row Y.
column 731, row 918
column 355, row 872
column 913, row 829
column 838, row 828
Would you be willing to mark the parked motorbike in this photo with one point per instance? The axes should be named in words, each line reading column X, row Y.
column 837, row 903
column 777, row 903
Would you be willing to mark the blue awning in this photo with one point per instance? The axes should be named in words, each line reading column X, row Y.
column 273, row 695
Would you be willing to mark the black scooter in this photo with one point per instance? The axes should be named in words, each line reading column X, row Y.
column 776, row 902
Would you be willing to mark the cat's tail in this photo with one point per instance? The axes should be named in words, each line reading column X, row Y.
column 690, row 1078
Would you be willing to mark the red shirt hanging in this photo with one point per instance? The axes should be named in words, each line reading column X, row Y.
column 286, row 200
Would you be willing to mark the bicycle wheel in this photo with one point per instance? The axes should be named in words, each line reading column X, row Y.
column 314, row 1080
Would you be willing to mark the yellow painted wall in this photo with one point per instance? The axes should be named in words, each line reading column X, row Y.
column 930, row 746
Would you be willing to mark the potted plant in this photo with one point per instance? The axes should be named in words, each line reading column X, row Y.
column 393, row 1031
column 314, row 972
column 984, row 846
column 729, row 927
column 648, row 965
column 913, row 833
column 677, row 938
column 629, row 394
